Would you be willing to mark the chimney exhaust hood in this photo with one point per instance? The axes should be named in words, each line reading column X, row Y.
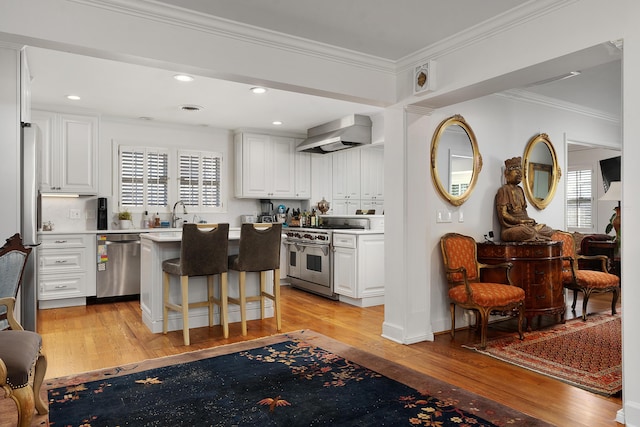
column 337, row 135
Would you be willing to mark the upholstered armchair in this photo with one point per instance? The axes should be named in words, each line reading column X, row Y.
column 22, row 362
column 467, row 291
column 586, row 281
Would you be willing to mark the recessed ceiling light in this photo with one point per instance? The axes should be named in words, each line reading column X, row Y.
column 73, row 97
column 276, row 122
column 258, row 90
column 191, row 107
column 183, row 78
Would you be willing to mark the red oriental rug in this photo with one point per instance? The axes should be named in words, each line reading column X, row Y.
column 584, row 354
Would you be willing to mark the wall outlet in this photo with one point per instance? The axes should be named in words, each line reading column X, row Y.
column 74, row 213
column 443, row 215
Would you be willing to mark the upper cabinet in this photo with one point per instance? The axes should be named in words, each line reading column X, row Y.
column 346, row 174
column 372, row 173
column 266, row 168
column 68, row 152
column 302, row 166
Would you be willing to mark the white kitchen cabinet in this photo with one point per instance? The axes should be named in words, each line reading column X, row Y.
column 359, row 268
column 345, row 206
column 265, row 166
column 372, row 173
column 322, row 179
column 66, row 269
column 302, row 166
column 372, row 205
column 68, row 152
column 346, row 174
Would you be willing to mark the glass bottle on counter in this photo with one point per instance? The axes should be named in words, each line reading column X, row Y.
column 313, row 219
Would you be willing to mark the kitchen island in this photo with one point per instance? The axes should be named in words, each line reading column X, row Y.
column 157, row 247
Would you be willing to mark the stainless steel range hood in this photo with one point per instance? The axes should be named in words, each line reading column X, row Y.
column 337, row 135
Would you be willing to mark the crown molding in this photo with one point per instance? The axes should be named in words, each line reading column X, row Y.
column 533, row 98
column 197, row 21
column 489, row 28
column 420, row 110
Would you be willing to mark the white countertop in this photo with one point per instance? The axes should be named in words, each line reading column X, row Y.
column 175, row 234
column 114, row 231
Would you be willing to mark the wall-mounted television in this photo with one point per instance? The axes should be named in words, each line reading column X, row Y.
column 610, row 169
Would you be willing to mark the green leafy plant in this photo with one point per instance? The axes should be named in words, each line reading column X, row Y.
column 124, row 215
column 610, row 227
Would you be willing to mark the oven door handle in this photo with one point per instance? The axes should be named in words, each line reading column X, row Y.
column 302, row 246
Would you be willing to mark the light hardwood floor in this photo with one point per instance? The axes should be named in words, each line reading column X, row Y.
column 79, row 339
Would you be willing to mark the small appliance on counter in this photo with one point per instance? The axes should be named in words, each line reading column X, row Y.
column 249, row 219
column 267, row 211
column 103, row 216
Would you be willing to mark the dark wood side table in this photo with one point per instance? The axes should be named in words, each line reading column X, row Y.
column 537, row 268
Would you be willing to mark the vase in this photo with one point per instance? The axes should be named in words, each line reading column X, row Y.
column 126, row 224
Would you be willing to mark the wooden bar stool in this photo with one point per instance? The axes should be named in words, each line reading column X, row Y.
column 259, row 252
column 202, row 253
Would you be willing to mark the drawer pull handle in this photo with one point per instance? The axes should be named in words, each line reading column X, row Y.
column 60, row 241
column 60, row 286
column 61, row 261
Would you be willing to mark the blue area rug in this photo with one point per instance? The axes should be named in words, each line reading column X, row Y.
column 285, row 380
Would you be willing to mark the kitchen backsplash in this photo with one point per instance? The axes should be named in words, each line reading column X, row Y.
column 79, row 213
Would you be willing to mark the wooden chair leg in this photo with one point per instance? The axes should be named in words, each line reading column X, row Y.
column 520, row 320
column 242, row 276
column 165, row 301
column 263, row 292
column 224, row 304
column 452, row 308
column 614, row 301
column 276, row 299
column 210, row 299
column 25, row 404
column 38, row 378
column 184, row 285
column 484, row 327
column 575, row 300
column 585, row 301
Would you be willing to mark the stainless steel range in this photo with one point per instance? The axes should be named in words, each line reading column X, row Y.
column 310, row 259
column 310, row 254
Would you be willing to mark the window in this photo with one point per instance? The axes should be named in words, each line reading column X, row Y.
column 143, row 178
column 579, row 200
column 199, row 175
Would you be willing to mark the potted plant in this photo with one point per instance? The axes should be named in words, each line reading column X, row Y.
column 614, row 224
column 125, row 220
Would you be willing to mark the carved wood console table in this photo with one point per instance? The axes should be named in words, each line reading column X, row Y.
column 537, row 268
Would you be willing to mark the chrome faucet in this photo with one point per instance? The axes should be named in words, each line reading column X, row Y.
column 174, row 217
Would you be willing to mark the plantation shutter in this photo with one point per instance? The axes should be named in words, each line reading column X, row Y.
column 143, row 177
column 199, row 175
column 157, row 179
column 131, row 178
column 579, row 199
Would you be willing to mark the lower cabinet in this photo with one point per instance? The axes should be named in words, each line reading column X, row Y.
column 66, row 272
column 358, row 262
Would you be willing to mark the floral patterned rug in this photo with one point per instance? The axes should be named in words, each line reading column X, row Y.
column 296, row 379
column 584, row 354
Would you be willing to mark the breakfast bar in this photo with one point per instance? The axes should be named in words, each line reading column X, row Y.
column 157, row 247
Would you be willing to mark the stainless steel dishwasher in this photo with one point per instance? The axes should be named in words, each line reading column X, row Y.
column 118, row 269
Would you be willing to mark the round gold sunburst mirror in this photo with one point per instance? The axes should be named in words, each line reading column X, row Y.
column 541, row 172
column 455, row 160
